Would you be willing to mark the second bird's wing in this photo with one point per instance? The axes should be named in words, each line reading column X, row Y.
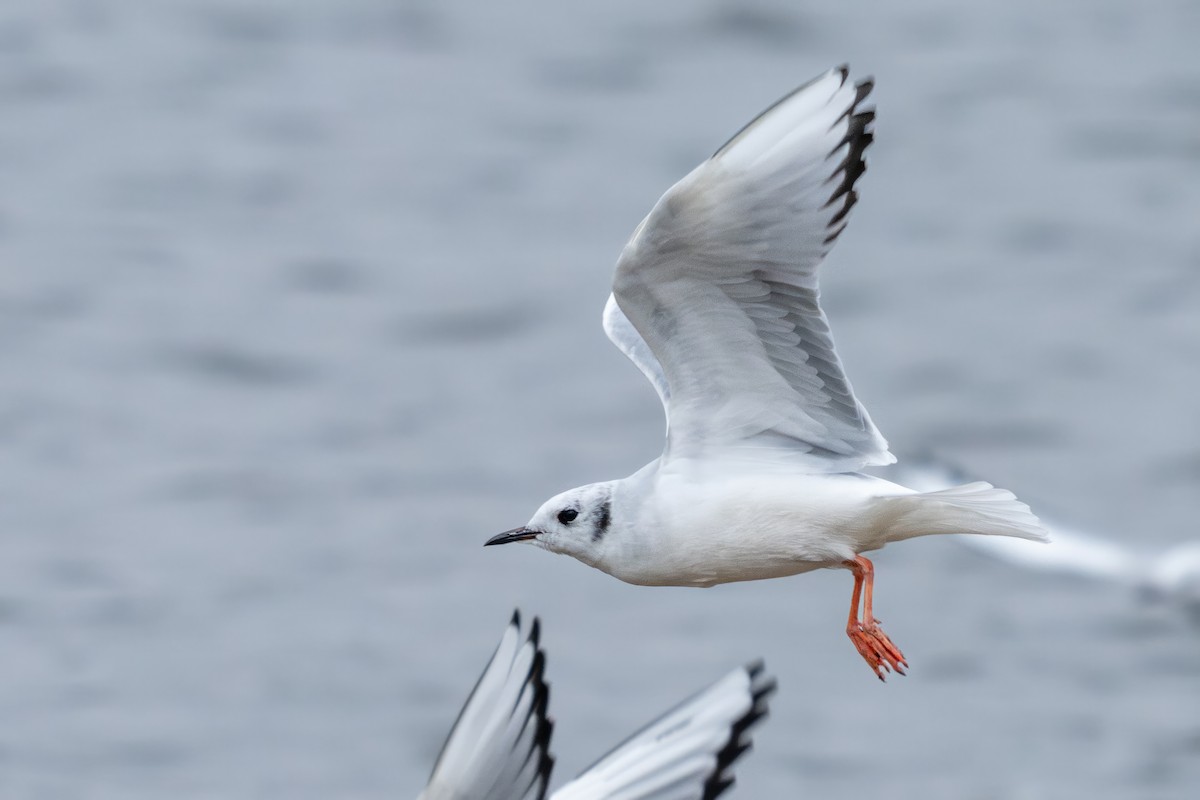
column 499, row 747
column 686, row 754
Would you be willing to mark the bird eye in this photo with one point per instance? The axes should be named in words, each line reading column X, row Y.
column 567, row 516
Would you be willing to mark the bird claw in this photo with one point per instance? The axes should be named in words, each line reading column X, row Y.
column 876, row 648
column 869, row 639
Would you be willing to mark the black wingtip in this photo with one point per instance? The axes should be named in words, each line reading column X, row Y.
column 539, row 713
column 764, row 691
column 859, row 136
column 541, row 749
column 761, row 687
column 535, row 680
column 863, row 89
column 716, row 788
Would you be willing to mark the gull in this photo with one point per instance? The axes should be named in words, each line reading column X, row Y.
column 498, row 748
column 715, row 300
column 1171, row 577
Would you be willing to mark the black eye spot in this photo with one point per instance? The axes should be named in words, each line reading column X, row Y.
column 567, row 516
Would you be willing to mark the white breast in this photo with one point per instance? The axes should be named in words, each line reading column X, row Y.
column 692, row 532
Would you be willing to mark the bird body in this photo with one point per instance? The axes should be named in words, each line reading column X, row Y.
column 715, row 300
column 688, row 532
column 668, row 527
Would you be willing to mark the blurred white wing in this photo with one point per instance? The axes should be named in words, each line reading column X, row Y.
column 499, row 746
column 1069, row 552
column 720, row 284
column 1175, row 576
column 686, row 754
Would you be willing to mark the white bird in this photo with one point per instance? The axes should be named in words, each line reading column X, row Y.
column 498, row 748
column 715, row 301
column 1171, row 577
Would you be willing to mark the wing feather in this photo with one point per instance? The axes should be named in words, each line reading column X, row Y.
column 716, row 299
column 686, row 754
column 499, row 747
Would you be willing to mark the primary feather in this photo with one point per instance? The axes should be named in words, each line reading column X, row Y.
column 687, row 753
column 498, row 748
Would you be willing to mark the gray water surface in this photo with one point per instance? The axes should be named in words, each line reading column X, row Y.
column 299, row 303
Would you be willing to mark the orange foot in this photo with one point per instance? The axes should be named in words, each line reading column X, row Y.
column 869, row 639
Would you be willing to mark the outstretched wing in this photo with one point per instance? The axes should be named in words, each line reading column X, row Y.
column 720, row 283
column 686, row 754
column 499, row 747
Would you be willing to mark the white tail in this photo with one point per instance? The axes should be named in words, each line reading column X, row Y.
column 971, row 508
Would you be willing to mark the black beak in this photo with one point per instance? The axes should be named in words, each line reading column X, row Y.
column 521, row 534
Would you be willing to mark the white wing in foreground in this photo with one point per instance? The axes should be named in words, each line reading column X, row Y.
column 688, row 753
column 499, row 746
column 720, row 283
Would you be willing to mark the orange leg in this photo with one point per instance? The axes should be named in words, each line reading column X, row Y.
column 870, row 640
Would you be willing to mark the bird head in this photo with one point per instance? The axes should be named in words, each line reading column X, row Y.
column 574, row 523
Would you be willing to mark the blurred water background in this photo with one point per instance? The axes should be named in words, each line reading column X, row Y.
column 299, row 303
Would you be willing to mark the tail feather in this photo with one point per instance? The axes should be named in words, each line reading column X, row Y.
column 971, row 508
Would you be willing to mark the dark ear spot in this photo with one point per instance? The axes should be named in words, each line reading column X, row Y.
column 603, row 520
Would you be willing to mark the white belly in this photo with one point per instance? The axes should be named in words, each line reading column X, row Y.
column 752, row 528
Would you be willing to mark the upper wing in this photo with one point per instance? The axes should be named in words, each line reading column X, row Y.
column 686, row 754
column 720, row 283
column 499, row 746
